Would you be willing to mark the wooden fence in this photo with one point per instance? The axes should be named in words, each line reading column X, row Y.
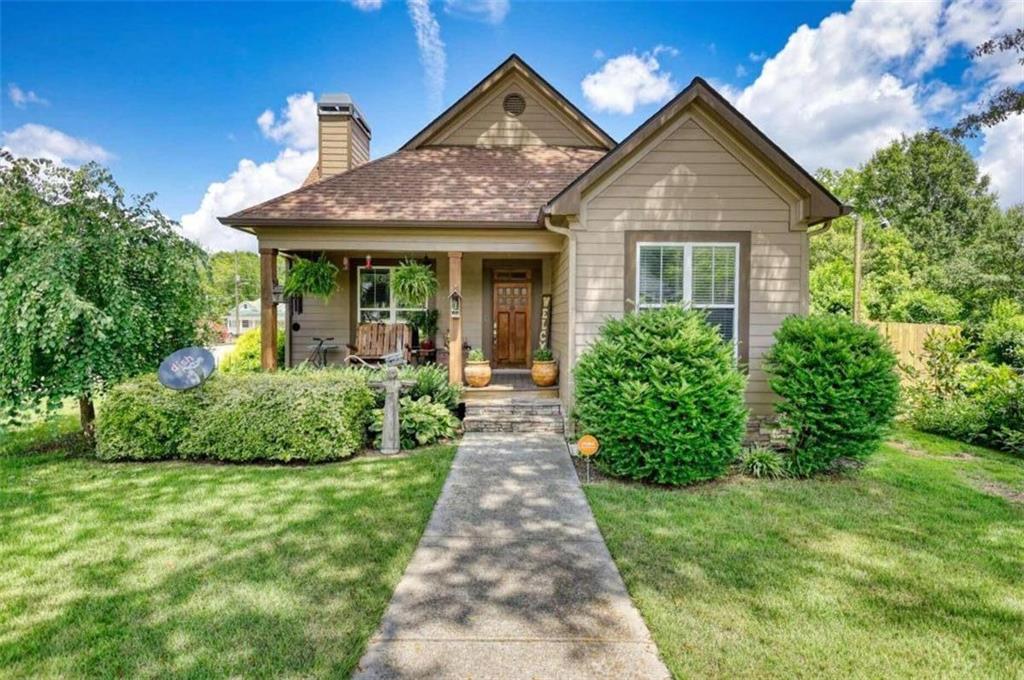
column 908, row 338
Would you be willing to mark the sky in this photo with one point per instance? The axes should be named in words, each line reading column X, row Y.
column 212, row 105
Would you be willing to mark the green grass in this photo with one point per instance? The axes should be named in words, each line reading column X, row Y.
column 183, row 569
column 904, row 569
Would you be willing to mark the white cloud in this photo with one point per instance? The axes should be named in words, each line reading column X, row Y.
column 741, row 70
column 368, row 5
column 599, row 54
column 491, row 11
column 249, row 184
column 297, row 125
column 38, row 141
column 627, row 81
column 22, row 98
column 1002, row 159
column 757, row 56
column 432, row 51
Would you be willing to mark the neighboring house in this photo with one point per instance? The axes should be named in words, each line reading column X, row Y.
column 513, row 193
column 246, row 315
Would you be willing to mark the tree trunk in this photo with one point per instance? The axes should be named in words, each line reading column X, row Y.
column 87, row 414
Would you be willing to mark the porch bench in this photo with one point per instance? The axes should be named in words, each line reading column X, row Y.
column 374, row 341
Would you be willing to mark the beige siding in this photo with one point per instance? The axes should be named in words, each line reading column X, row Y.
column 360, row 145
column 560, row 320
column 487, row 124
column 334, row 145
column 688, row 180
column 322, row 320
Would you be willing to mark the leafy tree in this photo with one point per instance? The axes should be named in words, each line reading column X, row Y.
column 220, row 286
column 1006, row 102
column 94, row 287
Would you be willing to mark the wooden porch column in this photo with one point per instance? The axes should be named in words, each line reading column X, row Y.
column 455, row 325
column 268, row 310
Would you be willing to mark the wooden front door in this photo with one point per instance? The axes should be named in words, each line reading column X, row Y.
column 511, row 322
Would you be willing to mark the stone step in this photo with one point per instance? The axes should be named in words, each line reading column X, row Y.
column 545, row 424
column 513, row 410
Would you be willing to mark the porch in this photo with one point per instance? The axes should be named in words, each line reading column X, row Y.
column 511, row 287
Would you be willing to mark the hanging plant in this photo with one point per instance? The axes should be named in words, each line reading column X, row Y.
column 312, row 277
column 413, row 283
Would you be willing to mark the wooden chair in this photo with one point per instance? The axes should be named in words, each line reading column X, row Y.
column 374, row 341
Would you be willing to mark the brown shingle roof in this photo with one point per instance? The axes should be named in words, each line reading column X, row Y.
column 433, row 184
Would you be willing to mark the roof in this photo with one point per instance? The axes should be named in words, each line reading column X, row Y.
column 514, row 64
column 822, row 204
column 442, row 185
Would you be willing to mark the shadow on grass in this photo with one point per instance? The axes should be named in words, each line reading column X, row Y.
column 113, row 569
column 904, row 569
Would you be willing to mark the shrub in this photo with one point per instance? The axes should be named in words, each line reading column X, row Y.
column 838, row 387
column 1002, row 338
column 661, row 391
column 762, row 463
column 246, row 356
column 421, row 422
column 309, row 416
column 431, row 381
column 143, row 420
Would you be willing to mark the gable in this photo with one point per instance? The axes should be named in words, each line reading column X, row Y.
column 809, row 202
column 487, row 124
column 479, row 119
column 693, row 172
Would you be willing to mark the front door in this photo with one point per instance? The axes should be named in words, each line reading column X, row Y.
column 511, row 321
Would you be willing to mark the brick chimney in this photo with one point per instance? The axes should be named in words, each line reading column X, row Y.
column 344, row 135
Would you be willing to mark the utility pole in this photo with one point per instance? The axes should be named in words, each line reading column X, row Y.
column 238, row 302
column 858, row 255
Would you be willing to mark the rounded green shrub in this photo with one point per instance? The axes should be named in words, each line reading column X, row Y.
column 421, row 421
column 838, row 389
column 245, row 357
column 143, row 420
column 662, row 393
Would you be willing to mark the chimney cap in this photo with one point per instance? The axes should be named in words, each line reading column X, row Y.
column 341, row 104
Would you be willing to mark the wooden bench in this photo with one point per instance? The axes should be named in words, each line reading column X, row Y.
column 374, row 341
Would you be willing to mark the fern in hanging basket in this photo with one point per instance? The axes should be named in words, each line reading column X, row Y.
column 413, row 283
column 312, row 277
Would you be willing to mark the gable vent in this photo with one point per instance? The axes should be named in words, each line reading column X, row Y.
column 514, row 104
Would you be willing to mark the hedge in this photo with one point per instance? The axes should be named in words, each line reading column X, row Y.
column 288, row 416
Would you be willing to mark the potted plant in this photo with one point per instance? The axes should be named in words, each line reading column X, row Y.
column 544, row 370
column 312, row 277
column 426, row 322
column 414, row 283
column 478, row 369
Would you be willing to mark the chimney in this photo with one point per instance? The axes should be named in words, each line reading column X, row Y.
column 344, row 134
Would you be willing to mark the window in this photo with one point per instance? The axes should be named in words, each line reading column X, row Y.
column 376, row 302
column 698, row 275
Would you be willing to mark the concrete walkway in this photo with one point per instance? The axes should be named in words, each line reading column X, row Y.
column 511, row 578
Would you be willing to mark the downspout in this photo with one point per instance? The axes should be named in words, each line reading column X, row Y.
column 571, row 325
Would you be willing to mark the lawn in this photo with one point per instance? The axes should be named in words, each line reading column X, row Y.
column 175, row 569
column 912, row 567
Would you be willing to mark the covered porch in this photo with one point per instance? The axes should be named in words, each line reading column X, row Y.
column 510, row 284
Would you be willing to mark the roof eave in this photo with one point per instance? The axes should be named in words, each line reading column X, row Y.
column 247, row 223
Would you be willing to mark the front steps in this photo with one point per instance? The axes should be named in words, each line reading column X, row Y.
column 514, row 414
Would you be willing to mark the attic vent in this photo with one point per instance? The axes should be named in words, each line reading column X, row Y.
column 514, row 104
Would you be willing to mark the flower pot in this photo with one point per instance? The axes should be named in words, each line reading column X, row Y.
column 427, row 344
column 478, row 373
column 544, row 373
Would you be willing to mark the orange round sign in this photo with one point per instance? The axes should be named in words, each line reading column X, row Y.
column 588, row 445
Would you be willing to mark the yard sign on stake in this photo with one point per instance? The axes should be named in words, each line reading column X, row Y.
column 588, row 447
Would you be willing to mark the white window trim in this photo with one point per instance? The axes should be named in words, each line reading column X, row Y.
column 688, row 247
column 393, row 308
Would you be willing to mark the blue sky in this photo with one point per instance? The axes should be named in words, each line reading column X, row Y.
column 168, row 94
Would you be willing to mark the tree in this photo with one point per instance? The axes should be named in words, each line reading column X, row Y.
column 1004, row 103
column 94, row 287
column 221, row 284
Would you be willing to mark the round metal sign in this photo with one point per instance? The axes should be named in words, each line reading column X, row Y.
column 588, row 445
column 186, row 368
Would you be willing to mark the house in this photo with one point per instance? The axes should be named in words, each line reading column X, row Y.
column 246, row 315
column 513, row 195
